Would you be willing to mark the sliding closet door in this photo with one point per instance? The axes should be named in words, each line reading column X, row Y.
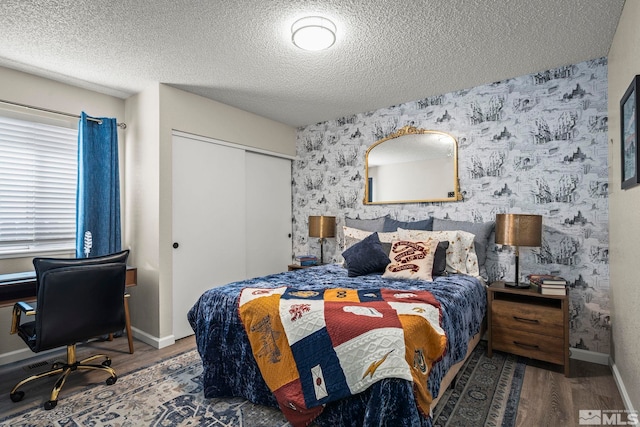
column 208, row 222
column 268, row 196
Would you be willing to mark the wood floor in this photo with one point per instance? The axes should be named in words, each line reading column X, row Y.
column 547, row 398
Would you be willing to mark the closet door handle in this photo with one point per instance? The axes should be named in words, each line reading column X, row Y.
column 175, row 245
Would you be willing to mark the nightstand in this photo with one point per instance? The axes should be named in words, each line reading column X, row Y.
column 292, row 267
column 529, row 324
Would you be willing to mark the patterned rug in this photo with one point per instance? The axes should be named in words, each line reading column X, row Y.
column 170, row 394
column 485, row 393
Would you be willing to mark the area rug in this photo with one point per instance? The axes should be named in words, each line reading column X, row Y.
column 486, row 391
column 170, row 394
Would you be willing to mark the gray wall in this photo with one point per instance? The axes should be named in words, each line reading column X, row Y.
column 533, row 144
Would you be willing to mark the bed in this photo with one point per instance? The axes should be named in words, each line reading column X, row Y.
column 230, row 368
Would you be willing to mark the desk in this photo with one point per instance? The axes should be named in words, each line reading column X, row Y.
column 22, row 287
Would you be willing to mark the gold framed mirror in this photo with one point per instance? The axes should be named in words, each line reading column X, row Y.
column 412, row 166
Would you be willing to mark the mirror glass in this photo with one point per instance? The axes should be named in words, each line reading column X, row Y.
column 412, row 165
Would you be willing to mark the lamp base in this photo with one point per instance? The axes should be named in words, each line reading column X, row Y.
column 517, row 285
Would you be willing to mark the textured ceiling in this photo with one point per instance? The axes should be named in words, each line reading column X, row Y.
column 240, row 53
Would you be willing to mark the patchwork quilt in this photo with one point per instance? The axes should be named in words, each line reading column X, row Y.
column 318, row 346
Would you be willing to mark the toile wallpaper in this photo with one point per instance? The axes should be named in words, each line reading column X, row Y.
column 533, row 144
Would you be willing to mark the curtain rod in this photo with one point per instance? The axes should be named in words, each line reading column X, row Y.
column 31, row 107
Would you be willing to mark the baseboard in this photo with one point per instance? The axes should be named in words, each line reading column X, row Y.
column 25, row 353
column 21, row 355
column 151, row 340
column 621, row 388
column 589, row 356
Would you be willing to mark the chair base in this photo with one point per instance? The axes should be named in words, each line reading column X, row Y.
column 65, row 369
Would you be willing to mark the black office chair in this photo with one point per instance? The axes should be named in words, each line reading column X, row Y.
column 77, row 299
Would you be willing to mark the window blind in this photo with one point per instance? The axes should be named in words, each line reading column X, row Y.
column 38, row 174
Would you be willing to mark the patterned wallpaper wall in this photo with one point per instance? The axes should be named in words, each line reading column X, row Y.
column 532, row 144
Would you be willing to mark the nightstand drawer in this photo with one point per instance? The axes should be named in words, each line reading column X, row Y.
column 541, row 347
column 292, row 267
column 533, row 318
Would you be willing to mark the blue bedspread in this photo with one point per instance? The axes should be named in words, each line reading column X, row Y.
column 231, row 370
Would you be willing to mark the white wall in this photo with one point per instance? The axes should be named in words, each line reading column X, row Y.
column 153, row 114
column 141, row 216
column 39, row 92
column 145, row 149
column 624, row 219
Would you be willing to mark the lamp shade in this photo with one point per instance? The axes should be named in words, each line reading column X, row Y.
column 519, row 229
column 322, row 226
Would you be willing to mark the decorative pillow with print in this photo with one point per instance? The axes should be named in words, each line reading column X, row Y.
column 411, row 259
column 461, row 254
column 482, row 232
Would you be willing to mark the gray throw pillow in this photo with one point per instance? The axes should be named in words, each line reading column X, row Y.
column 393, row 225
column 375, row 224
column 440, row 260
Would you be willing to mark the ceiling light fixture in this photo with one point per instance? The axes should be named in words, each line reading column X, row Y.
column 313, row 33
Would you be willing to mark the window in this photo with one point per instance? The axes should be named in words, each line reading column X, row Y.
column 38, row 174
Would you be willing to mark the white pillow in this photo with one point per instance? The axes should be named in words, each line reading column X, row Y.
column 411, row 259
column 352, row 236
column 461, row 254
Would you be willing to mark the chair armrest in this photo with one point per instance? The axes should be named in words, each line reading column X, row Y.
column 26, row 308
column 18, row 309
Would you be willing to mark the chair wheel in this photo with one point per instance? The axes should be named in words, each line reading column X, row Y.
column 106, row 362
column 111, row 380
column 17, row 396
column 50, row 404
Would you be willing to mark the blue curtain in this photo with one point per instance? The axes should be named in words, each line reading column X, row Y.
column 98, row 194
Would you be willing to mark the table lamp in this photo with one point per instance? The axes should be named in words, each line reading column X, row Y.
column 518, row 230
column 322, row 227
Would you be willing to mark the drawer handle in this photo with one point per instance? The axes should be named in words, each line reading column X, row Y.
column 526, row 345
column 522, row 319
